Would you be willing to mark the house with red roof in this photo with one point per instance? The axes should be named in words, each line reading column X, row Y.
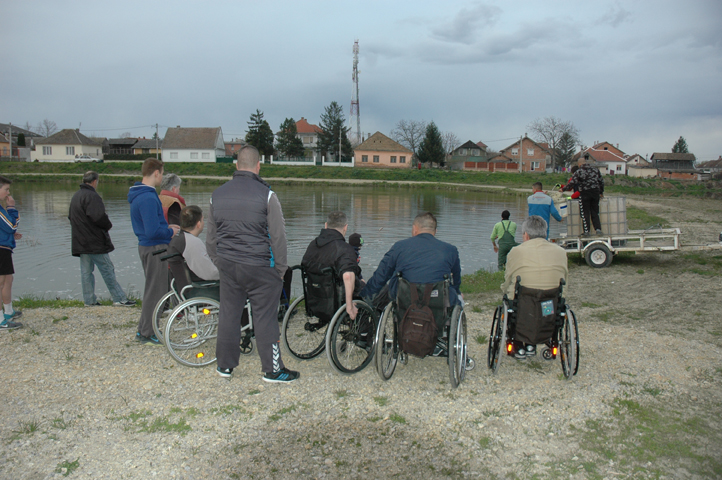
column 308, row 133
column 533, row 156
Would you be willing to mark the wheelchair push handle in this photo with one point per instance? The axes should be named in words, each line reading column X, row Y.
column 166, row 257
column 158, row 252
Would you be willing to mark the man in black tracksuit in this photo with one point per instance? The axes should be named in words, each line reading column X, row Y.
column 588, row 180
column 246, row 239
column 330, row 249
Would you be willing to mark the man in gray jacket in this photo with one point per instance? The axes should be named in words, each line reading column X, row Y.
column 246, row 239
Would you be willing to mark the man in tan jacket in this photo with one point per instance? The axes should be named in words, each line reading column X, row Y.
column 539, row 263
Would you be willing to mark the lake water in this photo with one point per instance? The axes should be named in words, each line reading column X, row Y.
column 45, row 267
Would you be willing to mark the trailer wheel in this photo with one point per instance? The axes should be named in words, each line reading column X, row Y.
column 598, row 256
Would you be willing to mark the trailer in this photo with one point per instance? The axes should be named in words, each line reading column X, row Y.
column 599, row 250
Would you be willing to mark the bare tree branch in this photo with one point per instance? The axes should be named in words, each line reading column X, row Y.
column 550, row 130
column 46, row 128
column 409, row 133
column 450, row 142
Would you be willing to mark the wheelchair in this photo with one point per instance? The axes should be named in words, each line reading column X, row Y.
column 450, row 321
column 535, row 317
column 317, row 321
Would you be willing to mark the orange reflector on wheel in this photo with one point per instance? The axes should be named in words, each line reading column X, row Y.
column 206, row 311
column 194, row 335
column 554, row 351
column 199, row 355
column 508, row 347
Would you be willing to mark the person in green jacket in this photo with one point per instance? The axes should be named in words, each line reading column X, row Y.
column 504, row 231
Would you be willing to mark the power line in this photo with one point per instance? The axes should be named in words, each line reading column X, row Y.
column 122, row 128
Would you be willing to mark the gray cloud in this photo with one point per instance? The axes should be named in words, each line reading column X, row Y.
column 615, row 16
column 463, row 28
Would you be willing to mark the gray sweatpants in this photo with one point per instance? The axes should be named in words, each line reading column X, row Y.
column 156, row 285
column 262, row 285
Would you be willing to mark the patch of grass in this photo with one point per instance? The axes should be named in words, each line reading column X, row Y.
column 140, row 421
column 481, row 339
column 254, row 392
column 590, row 305
column 277, row 416
column 640, row 271
column 603, row 316
column 66, row 467
column 396, row 418
column 68, row 355
column 227, row 410
column 36, row 301
column 59, row 423
column 638, row 434
column 381, row 401
column 638, row 219
column 652, row 391
column 481, row 282
column 485, row 442
column 476, row 309
column 374, row 419
column 60, row 319
column 341, row 393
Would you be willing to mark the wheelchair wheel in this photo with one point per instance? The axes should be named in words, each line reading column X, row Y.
column 162, row 312
column 567, row 347
column 387, row 350
column 350, row 343
column 457, row 346
column 576, row 339
column 191, row 332
column 497, row 338
column 304, row 337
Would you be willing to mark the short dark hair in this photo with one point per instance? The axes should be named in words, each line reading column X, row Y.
column 190, row 216
column 5, row 181
column 336, row 220
column 151, row 165
column 537, row 185
column 89, row 177
column 575, row 168
column 534, row 226
column 505, row 215
column 425, row 221
column 248, row 158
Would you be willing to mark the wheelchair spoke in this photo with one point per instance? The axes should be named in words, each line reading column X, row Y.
column 350, row 342
column 302, row 335
column 192, row 331
column 386, row 347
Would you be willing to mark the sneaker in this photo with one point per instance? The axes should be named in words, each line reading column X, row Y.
column 96, row 304
column 127, row 303
column 15, row 314
column 224, row 372
column 282, row 376
column 152, row 340
column 8, row 325
column 520, row 353
column 599, row 232
column 585, row 234
column 531, row 350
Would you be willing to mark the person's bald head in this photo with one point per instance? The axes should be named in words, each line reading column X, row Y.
column 424, row 223
column 249, row 159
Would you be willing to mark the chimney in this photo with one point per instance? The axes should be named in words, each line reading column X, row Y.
column 177, row 126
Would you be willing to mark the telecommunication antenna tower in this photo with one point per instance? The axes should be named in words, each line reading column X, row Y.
column 355, row 135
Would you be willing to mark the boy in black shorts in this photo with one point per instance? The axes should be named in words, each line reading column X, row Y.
column 8, row 234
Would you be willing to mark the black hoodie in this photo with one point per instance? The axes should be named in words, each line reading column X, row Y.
column 330, row 249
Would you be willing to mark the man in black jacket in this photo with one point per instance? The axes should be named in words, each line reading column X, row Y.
column 91, row 242
column 330, row 249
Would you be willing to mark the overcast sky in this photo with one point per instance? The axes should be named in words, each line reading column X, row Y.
column 636, row 73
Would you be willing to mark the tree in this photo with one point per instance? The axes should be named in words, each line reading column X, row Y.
column 550, row 130
column 260, row 134
column 450, row 142
column 409, row 133
column 680, row 146
column 332, row 129
column 126, row 135
column 46, row 128
column 287, row 143
column 431, row 148
column 21, row 140
column 565, row 149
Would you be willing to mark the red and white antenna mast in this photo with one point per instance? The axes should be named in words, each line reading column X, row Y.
column 355, row 135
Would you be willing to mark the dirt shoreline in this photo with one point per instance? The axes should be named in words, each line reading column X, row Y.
column 83, row 399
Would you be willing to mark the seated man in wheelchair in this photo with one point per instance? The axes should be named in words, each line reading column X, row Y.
column 420, row 259
column 330, row 250
column 540, row 264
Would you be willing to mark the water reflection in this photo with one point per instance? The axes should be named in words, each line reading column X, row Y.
column 44, row 266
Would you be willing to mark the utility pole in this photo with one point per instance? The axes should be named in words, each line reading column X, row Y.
column 521, row 163
column 156, row 141
column 355, row 136
column 10, row 139
column 340, row 130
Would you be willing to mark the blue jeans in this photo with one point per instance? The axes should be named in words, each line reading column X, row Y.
column 107, row 271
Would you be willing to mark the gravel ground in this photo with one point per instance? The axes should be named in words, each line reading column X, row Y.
column 83, row 399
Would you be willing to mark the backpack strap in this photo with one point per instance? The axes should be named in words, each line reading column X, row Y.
column 414, row 293
column 427, row 294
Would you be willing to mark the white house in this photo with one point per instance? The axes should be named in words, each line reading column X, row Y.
column 64, row 146
column 193, row 145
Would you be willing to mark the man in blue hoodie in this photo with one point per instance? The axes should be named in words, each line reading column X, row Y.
column 154, row 233
column 542, row 205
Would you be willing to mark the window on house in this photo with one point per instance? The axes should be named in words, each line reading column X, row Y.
column 462, row 151
column 475, row 153
column 206, row 155
column 393, row 159
column 194, row 155
column 307, row 139
column 365, row 158
column 376, row 159
column 174, row 155
column 530, row 151
column 535, row 166
column 515, row 151
column 47, row 150
column 619, row 168
column 69, row 150
column 402, row 159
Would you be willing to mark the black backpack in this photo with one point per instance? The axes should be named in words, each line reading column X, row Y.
column 417, row 330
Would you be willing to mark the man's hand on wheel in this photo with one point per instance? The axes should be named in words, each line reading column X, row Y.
column 352, row 310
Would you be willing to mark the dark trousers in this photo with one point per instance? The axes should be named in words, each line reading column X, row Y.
column 156, row 285
column 262, row 286
column 590, row 208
